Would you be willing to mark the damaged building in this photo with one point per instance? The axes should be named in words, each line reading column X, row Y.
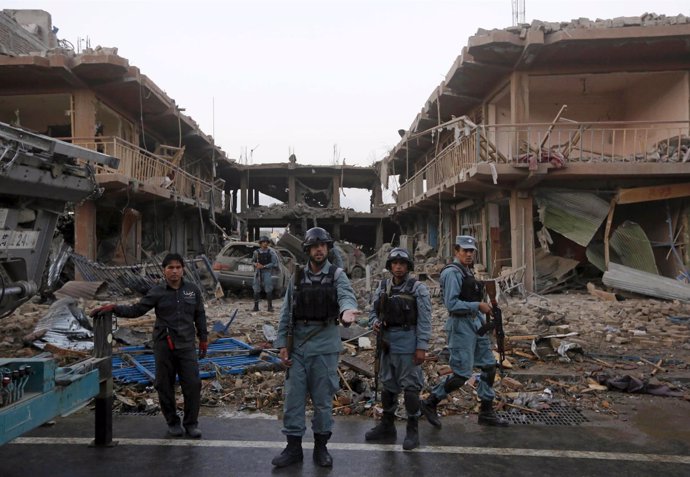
column 174, row 189
column 564, row 148
column 164, row 195
column 310, row 196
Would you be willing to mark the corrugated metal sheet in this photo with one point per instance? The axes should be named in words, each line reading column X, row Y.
column 575, row 215
column 627, row 278
column 629, row 246
column 78, row 289
column 552, row 270
column 633, row 247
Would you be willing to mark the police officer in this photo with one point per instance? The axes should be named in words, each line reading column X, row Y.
column 265, row 261
column 319, row 296
column 462, row 296
column 401, row 310
column 180, row 313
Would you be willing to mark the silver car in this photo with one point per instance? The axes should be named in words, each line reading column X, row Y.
column 235, row 270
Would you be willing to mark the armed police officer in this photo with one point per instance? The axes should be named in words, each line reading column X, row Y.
column 319, row 296
column 463, row 297
column 265, row 261
column 401, row 311
column 180, row 314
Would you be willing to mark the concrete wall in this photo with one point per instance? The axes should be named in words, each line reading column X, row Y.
column 37, row 36
column 659, row 97
column 36, row 111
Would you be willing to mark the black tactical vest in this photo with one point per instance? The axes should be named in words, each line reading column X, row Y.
column 316, row 301
column 264, row 257
column 472, row 290
column 400, row 308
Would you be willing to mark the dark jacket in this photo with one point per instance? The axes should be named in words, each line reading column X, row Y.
column 179, row 313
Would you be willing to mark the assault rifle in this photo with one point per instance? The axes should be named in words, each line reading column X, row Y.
column 382, row 304
column 496, row 322
column 296, row 280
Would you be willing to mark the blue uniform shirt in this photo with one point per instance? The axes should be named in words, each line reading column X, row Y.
column 451, row 283
column 327, row 340
column 274, row 259
column 408, row 341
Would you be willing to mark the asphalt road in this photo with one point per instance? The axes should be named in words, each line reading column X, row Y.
column 653, row 438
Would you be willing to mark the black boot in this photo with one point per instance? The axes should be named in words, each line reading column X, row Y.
column 257, row 298
column 487, row 416
column 321, row 456
column 428, row 408
column 412, row 436
column 292, row 454
column 270, row 305
column 384, row 429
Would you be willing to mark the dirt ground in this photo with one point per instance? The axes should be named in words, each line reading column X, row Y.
column 593, row 354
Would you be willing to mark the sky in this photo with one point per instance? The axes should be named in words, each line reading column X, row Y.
column 330, row 80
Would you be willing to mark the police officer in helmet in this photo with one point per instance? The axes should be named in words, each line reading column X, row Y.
column 401, row 310
column 463, row 297
column 265, row 260
column 318, row 299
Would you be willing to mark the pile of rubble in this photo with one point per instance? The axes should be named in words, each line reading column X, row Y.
column 578, row 349
column 645, row 20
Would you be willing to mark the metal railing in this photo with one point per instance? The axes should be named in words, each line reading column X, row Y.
column 125, row 280
column 558, row 144
column 148, row 168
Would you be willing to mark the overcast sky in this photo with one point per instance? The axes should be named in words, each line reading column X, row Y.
column 326, row 79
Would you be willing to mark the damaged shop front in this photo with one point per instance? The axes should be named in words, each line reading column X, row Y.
column 637, row 238
column 511, row 147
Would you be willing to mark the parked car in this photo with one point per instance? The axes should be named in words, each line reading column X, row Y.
column 353, row 258
column 235, row 270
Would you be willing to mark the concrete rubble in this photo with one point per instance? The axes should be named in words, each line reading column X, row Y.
column 646, row 20
column 583, row 341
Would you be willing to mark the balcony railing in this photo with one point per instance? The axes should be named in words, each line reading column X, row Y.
column 147, row 168
column 557, row 144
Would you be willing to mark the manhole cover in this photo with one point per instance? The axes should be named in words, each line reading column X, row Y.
column 553, row 416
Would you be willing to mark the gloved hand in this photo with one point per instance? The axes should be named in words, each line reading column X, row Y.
column 203, row 349
column 349, row 316
column 102, row 310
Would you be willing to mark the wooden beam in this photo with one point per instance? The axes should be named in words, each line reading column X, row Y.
column 648, row 194
column 607, row 231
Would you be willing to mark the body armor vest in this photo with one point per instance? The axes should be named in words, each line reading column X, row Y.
column 263, row 257
column 316, row 301
column 400, row 308
column 472, row 289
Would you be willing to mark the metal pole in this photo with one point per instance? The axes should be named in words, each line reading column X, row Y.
column 103, row 348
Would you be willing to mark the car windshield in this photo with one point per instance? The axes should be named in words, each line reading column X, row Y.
column 239, row 251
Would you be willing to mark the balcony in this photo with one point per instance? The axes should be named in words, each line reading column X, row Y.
column 160, row 174
column 526, row 146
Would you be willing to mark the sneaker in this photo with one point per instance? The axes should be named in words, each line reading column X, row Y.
column 175, row 430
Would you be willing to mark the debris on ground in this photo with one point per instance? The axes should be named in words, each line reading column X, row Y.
column 578, row 336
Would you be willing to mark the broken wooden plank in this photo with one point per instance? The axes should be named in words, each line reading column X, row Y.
column 358, row 365
column 657, row 366
column 602, row 295
column 72, row 353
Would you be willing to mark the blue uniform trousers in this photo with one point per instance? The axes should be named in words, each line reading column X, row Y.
column 316, row 376
column 467, row 351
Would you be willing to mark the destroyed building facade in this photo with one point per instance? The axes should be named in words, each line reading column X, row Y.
column 174, row 188
column 310, row 196
column 556, row 145
column 165, row 194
